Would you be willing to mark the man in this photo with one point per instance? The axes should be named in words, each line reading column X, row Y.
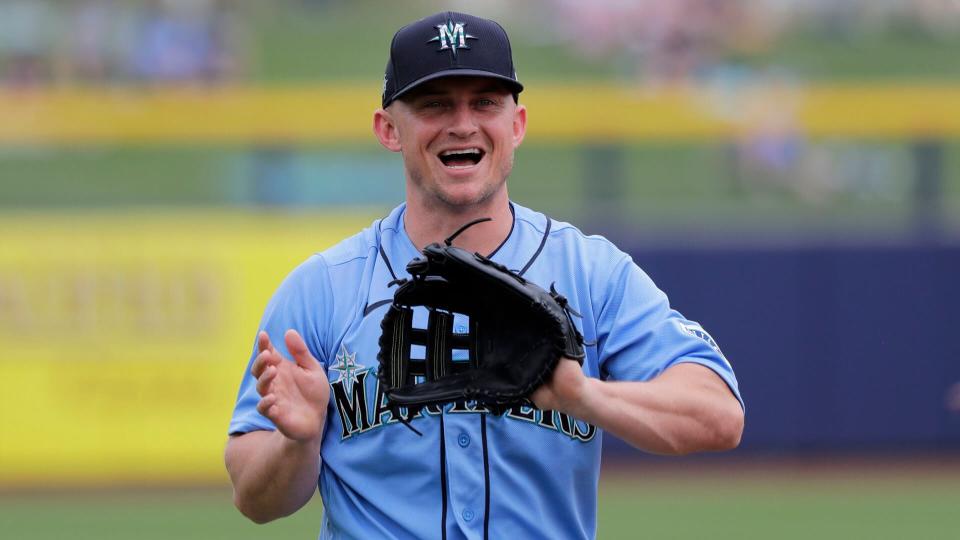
column 650, row 376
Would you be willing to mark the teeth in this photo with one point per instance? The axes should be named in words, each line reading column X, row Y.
column 460, row 152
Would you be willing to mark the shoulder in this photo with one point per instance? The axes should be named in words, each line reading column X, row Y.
column 565, row 242
column 354, row 249
column 325, row 270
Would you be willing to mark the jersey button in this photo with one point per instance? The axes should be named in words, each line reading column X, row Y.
column 463, row 440
column 467, row 515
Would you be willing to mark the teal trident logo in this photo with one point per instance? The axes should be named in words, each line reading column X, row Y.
column 452, row 37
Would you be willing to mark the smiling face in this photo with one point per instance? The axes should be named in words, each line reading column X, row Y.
column 457, row 136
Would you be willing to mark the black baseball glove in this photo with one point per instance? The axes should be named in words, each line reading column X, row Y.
column 517, row 333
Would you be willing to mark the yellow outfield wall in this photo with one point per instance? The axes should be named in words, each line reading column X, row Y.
column 125, row 337
column 568, row 112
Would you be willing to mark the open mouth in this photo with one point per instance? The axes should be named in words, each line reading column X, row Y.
column 462, row 158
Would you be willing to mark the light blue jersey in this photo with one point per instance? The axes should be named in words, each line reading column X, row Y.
column 526, row 474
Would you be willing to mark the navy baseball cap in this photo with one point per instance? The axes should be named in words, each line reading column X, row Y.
column 444, row 45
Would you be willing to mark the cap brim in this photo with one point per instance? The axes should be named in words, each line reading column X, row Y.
column 512, row 84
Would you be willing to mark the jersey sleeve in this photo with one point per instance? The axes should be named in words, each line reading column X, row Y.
column 303, row 303
column 639, row 335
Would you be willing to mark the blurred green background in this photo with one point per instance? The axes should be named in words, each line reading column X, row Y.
column 140, row 197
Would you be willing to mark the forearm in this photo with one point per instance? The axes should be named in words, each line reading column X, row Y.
column 272, row 476
column 686, row 409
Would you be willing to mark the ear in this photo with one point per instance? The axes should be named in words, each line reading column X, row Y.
column 386, row 130
column 519, row 125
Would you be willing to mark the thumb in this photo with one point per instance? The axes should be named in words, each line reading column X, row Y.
column 298, row 349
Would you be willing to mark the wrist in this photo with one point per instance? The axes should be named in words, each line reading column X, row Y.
column 589, row 400
column 306, row 444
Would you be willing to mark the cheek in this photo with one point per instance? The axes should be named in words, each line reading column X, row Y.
column 505, row 134
column 504, row 141
column 415, row 147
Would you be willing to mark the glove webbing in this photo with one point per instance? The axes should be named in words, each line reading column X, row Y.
column 439, row 340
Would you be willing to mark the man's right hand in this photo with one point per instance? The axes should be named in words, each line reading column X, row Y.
column 294, row 395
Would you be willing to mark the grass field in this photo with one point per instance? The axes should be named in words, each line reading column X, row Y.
column 844, row 502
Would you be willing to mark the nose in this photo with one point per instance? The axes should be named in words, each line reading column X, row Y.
column 462, row 124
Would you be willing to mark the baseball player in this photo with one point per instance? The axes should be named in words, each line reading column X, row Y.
column 311, row 414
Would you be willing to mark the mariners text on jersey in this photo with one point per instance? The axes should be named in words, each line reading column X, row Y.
column 359, row 413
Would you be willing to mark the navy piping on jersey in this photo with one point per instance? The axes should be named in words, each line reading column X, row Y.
column 383, row 254
column 386, row 260
column 443, row 482
column 486, row 477
column 375, row 305
column 546, row 233
column 513, row 223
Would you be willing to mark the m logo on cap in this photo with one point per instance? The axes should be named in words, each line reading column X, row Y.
column 452, row 37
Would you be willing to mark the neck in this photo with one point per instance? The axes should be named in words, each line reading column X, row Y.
column 426, row 225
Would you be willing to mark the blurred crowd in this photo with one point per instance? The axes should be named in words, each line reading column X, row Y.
column 669, row 41
column 657, row 41
column 111, row 41
column 728, row 48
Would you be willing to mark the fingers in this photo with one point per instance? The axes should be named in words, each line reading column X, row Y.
column 267, row 377
column 268, row 402
column 298, row 349
column 263, row 342
column 266, row 356
column 264, row 360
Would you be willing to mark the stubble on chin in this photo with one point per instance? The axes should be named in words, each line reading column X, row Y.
column 437, row 197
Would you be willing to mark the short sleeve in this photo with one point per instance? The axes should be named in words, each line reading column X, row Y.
column 639, row 335
column 303, row 303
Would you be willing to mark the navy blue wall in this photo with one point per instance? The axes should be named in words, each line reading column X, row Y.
column 850, row 349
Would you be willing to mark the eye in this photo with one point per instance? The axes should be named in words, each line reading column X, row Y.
column 486, row 102
column 429, row 105
column 434, row 104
